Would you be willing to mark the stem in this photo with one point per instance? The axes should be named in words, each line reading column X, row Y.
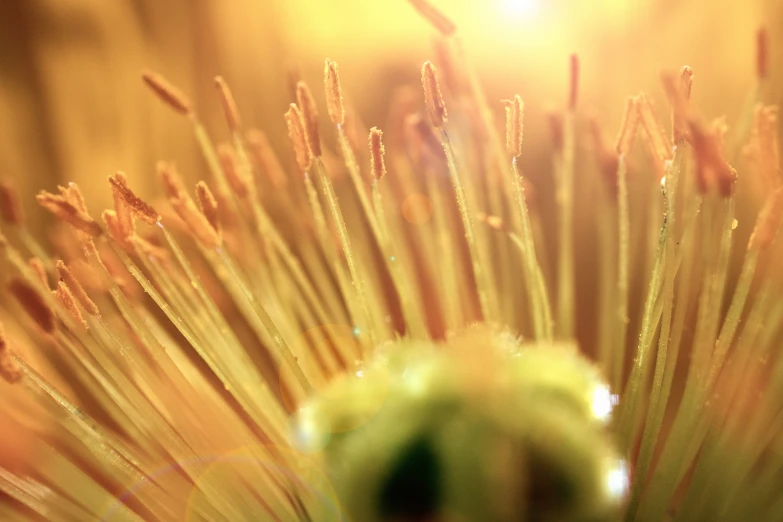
column 467, row 223
column 565, row 203
column 623, row 248
column 33, row 246
column 283, row 350
column 606, row 335
column 660, row 394
column 497, row 144
column 411, row 315
column 632, row 401
column 442, row 252
column 651, row 429
column 210, row 156
column 731, row 322
column 690, row 424
column 328, row 249
column 542, row 314
column 355, row 174
column 345, row 242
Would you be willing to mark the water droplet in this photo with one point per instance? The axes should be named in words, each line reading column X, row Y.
column 617, row 480
column 602, row 403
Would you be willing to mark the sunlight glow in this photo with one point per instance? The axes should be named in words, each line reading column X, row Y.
column 523, row 8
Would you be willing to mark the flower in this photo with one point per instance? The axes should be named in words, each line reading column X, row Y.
column 386, row 339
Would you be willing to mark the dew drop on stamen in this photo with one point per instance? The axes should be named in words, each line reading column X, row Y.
column 618, row 481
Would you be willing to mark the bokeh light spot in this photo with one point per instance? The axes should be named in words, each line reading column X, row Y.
column 416, row 209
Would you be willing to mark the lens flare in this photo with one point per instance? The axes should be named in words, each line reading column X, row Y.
column 523, row 8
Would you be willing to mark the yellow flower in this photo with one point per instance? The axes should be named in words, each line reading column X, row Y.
column 384, row 333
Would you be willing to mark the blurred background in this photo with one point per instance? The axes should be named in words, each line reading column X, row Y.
column 72, row 106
